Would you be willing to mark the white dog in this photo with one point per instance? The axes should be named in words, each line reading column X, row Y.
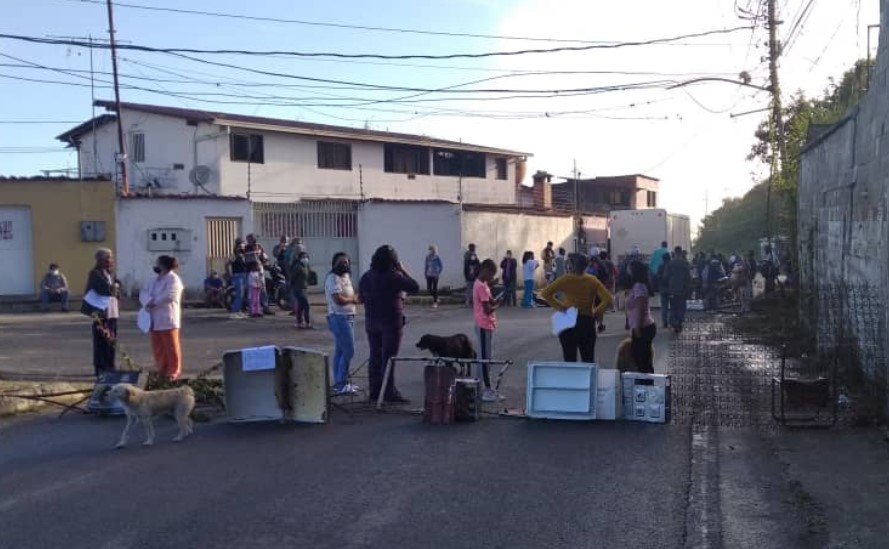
column 144, row 405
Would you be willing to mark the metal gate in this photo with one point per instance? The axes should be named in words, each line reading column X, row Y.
column 221, row 235
column 326, row 227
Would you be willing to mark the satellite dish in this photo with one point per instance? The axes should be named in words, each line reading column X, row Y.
column 199, row 175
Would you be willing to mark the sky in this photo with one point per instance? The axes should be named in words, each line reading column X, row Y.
column 685, row 136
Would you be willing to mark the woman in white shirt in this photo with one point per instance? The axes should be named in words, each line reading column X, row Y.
column 529, row 265
column 165, row 305
column 342, row 304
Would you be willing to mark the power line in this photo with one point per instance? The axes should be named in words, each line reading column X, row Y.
column 40, row 121
column 344, row 25
column 798, row 25
column 179, row 50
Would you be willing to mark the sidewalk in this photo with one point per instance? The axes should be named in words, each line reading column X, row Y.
column 846, row 473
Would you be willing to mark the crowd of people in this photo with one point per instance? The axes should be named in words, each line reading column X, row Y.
column 592, row 283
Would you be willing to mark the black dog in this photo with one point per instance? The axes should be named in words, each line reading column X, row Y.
column 455, row 346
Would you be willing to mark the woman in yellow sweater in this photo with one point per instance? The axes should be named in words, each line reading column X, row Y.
column 578, row 289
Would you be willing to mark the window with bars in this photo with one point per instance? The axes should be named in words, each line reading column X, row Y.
column 247, row 148
column 458, row 163
column 334, row 156
column 137, row 148
column 406, row 159
column 6, row 230
column 502, row 169
column 651, row 199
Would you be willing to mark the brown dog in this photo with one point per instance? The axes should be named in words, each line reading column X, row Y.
column 144, row 405
column 625, row 361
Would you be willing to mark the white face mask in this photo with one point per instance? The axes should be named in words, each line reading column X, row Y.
column 54, row 272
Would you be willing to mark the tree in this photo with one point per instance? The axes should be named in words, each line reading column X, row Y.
column 741, row 222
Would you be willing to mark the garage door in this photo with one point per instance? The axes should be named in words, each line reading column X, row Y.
column 15, row 249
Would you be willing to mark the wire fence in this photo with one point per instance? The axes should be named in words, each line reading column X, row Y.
column 831, row 370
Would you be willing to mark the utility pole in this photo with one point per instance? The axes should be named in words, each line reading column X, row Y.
column 121, row 142
column 777, row 123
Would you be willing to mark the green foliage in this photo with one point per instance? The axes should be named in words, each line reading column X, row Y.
column 740, row 222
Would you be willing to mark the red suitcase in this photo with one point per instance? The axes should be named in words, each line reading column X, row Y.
column 439, row 404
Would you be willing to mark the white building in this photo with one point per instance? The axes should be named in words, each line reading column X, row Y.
column 199, row 178
column 175, row 150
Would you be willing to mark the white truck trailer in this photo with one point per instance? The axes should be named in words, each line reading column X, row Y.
column 647, row 229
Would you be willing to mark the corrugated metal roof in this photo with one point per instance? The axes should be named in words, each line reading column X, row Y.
column 287, row 126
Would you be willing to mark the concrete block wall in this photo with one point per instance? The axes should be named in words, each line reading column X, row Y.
column 843, row 202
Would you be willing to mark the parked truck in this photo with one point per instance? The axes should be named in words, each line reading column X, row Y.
column 647, row 229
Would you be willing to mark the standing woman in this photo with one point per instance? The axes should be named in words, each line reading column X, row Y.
column 434, row 267
column 381, row 290
column 577, row 288
column 342, row 304
column 639, row 317
column 237, row 269
column 165, row 306
column 529, row 266
column 102, row 283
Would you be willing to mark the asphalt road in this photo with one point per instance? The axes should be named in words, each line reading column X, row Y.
column 363, row 481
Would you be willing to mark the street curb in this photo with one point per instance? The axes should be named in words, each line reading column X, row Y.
column 10, row 406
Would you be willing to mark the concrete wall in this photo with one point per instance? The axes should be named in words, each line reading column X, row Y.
column 137, row 216
column 410, row 229
column 57, row 208
column 843, row 200
column 495, row 232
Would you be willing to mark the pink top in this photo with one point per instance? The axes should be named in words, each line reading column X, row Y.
column 481, row 294
column 638, row 309
column 166, row 293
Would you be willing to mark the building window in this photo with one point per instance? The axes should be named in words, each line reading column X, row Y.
column 502, row 170
column 458, row 163
column 247, row 148
column 334, row 156
column 406, row 159
column 614, row 198
column 6, row 230
column 651, row 199
column 137, row 148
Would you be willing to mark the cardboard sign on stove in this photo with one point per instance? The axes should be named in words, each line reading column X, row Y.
column 646, row 397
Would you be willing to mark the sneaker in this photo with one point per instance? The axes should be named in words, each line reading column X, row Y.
column 346, row 390
column 601, row 328
column 435, row 305
column 396, row 399
column 489, row 396
column 236, row 316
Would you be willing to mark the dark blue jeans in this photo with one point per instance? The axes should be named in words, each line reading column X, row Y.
column 47, row 297
column 239, row 283
column 300, row 305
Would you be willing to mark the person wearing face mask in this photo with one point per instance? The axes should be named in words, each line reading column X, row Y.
column 102, row 284
column 54, row 287
column 237, row 270
column 164, row 303
column 298, row 280
column 342, row 304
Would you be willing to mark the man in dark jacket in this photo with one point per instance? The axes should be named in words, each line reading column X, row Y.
column 678, row 276
column 471, row 266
